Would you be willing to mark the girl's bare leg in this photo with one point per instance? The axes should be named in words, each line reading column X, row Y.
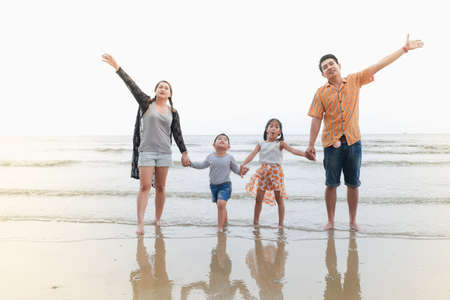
column 280, row 204
column 160, row 187
column 258, row 206
column 145, row 175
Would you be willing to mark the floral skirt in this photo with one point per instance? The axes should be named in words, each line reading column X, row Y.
column 268, row 178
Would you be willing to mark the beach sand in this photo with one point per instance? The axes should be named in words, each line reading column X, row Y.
column 70, row 260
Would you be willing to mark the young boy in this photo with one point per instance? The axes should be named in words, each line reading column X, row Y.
column 220, row 164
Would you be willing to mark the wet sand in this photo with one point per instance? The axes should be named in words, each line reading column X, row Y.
column 63, row 260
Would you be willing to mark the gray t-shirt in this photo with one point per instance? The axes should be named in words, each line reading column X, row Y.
column 155, row 131
column 220, row 167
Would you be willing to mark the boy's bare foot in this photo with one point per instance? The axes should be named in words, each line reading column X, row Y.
column 328, row 226
column 158, row 223
column 354, row 227
column 280, row 226
column 140, row 229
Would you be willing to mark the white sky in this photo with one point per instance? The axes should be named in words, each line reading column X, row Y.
column 232, row 64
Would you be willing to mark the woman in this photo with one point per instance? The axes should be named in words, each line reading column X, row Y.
column 156, row 122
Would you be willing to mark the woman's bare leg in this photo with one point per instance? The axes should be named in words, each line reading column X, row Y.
column 145, row 175
column 160, row 187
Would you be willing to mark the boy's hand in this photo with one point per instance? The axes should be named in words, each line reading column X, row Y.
column 243, row 170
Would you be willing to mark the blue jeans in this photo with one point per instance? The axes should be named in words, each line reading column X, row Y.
column 221, row 191
column 345, row 158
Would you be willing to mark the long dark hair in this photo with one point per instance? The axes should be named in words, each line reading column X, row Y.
column 171, row 93
column 281, row 138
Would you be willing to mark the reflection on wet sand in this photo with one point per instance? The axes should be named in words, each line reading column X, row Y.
column 219, row 286
column 267, row 266
column 350, row 290
column 151, row 281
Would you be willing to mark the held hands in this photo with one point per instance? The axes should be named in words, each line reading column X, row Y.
column 185, row 161
column 243, row 170
column 110, row 61
column 411, row 45
column 310, row 153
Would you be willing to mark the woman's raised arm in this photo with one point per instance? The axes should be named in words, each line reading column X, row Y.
column 140, row 96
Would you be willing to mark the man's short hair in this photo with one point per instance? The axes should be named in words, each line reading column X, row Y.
column 324, row 58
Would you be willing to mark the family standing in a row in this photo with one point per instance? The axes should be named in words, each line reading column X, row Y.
column 336, row 103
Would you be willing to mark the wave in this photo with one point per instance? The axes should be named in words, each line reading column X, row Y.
column 312, row 231
column 69, row 193
column 43, row 163
column 206, row 195
column 391, row 151
column 404, row 163
column 370, row 163
column 63, row 163
column 111, row 149
column 178, row 165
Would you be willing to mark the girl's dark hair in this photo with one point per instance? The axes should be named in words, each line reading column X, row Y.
column 281, row 138
column 171, row 93
column 224, row 136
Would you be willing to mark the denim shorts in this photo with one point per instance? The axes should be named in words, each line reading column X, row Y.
column 220, row 191
column 154, row 159
column 345, row 158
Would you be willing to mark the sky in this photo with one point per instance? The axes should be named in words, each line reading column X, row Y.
column 232, row 64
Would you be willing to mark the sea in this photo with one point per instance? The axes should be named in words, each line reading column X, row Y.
column 405, row 190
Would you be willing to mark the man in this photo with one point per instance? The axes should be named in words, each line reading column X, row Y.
column 337, row 103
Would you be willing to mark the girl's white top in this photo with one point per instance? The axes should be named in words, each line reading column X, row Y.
column 270, row 152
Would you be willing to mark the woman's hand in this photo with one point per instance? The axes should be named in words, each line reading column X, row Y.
column 185, row 161
column 110, row 61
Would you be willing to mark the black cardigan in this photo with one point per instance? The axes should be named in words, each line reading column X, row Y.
column 144, row 102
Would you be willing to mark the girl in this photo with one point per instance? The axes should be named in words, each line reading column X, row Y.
column 269, row 178
column 156, row 122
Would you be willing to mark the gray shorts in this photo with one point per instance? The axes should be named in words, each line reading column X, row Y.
column 154, row 159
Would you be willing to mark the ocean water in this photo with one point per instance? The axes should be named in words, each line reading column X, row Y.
column 405, row 191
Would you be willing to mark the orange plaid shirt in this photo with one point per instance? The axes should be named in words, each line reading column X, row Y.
column 339, row 108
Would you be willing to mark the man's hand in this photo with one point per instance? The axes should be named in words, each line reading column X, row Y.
column 411, row 45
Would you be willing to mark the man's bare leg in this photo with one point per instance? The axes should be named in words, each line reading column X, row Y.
column 330, row 200
column 352, row 200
